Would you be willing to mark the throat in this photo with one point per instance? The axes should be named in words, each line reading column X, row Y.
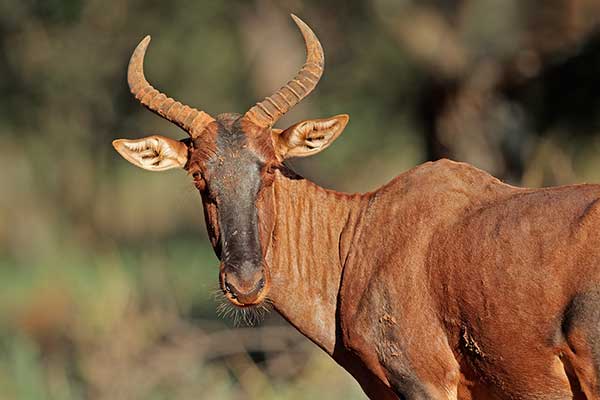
column 311, row 236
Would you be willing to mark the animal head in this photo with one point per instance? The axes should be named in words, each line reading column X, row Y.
column 232, row 158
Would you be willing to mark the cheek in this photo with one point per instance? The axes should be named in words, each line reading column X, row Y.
column 212, row 224
column 266, row 217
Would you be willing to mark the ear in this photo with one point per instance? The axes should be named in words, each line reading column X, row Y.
column 154, row 153
column 308, row 137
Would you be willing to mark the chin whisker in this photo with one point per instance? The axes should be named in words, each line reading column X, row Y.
column 217, row 294
column 241, row 316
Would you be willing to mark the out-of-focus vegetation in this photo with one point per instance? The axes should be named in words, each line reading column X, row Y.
column 106, row 275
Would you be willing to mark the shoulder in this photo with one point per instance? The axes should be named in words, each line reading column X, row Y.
column 446, row 176
column 455, row 171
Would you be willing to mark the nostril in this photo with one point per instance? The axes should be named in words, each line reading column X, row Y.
column 230, row 291
column 245, row 287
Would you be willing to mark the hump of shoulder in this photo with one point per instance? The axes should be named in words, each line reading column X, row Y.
column 448, row 175
column 444, row 182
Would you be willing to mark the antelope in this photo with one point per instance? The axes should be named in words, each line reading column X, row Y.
column 444, row 283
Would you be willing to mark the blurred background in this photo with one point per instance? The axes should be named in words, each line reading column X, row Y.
column 106, row 274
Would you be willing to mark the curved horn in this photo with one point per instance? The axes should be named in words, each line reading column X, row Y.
column 268, row 111
column 193, row 121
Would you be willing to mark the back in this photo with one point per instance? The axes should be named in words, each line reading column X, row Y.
column 504, row 275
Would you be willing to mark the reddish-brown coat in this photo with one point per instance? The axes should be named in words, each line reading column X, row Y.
column 445, row 278
column 443, row 284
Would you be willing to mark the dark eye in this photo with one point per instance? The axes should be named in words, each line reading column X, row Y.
column 199, row 180
column 269, row 168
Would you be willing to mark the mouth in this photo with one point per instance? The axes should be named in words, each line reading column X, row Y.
column 243, row 313
column 244, row 298
column 233, row 299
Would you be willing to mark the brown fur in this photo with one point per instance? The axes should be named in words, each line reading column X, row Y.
column 444, row 283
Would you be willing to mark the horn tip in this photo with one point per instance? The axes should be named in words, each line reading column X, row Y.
column 309, row 36
column 144, row 42
column 297, row 20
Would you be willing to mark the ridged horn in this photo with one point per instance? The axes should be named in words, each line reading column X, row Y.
column 268, row 111
column 193, row 121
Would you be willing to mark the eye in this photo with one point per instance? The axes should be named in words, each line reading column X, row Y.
column 270, row 168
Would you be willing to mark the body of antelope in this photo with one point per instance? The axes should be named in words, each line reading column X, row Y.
column 443, row 284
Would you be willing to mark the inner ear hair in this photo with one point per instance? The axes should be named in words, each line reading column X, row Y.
column 311, row 136
column 315, row 131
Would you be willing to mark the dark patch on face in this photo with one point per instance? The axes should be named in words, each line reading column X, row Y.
column 234, row 182
column 231, row 171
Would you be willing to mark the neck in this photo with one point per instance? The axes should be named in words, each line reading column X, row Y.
column 312, row 231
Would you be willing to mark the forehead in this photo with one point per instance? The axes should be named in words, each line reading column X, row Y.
column 233, row 152
column 231, row 148
column 233, row 137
